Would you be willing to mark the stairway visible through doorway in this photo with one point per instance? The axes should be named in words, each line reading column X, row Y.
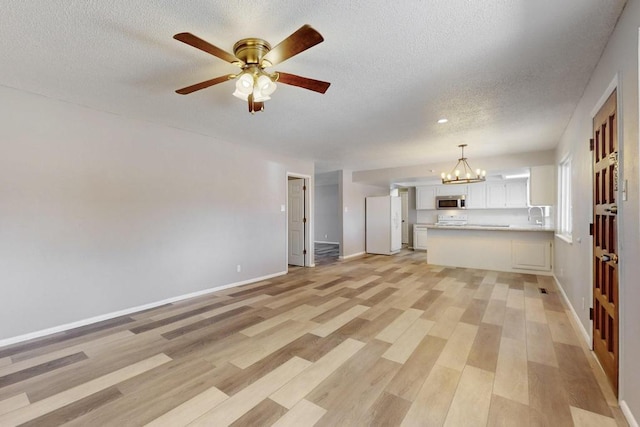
column 326, row 253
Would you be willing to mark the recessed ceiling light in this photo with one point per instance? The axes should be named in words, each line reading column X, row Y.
column 443, row 120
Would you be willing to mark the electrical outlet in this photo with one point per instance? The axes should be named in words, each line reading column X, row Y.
column 583, row 303
column 238, row 268
column 326, row 235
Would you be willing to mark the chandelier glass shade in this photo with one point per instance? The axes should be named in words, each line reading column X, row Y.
column 462, row 173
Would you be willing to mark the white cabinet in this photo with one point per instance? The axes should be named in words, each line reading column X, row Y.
column 516, row 194
column 452, row 190
column 499, row 250
column 477, row 197
column 482, row 195
column 542, row 186
column 426, row 197
column 496, row 195
column 419, row 237
column 426, row 194
column 507, row 194
column 528, row 255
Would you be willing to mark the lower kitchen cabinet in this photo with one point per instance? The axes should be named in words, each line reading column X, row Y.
column 501, row 250
column 420, row 237
column 529, row 255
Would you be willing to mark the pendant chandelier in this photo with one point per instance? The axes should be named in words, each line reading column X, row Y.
column 462, row 173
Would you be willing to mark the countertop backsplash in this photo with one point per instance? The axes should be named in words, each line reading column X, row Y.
column 519, row 216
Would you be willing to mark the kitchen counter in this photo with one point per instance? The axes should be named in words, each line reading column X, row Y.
column 491, row 227
column 523, row 249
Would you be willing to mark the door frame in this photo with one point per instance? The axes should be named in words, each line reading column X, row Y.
column 614, row 85
column 309, row 259
column 404, row 215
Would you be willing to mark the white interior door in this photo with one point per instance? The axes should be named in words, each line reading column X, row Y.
column 404, row 196
column 296, row 221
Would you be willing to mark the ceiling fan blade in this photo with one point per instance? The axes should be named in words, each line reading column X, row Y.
column 303, row 82
column 205, row 84
column 198, row 43
column 304, row 38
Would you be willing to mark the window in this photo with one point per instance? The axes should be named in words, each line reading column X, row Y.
column 564, row 199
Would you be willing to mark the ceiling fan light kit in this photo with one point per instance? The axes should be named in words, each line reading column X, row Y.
column 258, row 84
column 462, row 173
column 253, row 55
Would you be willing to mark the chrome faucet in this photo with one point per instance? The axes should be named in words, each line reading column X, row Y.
column 540, row 219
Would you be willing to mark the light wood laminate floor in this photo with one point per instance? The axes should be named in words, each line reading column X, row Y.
column 375, row 341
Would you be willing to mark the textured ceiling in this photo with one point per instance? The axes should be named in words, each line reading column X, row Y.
column 506, row 73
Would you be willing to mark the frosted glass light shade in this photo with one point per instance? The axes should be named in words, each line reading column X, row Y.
column 244, row 86
column 266, row 85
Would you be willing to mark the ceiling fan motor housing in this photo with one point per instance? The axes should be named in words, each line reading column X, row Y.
column 251, row 51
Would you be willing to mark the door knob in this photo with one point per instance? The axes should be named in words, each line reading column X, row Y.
column 613, row 209
column 609, row 257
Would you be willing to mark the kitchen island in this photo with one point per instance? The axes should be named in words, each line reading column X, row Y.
column 523, row 249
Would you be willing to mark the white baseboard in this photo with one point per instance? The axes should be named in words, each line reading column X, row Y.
column 331, row 243
column 583, row 331
column 359, row 254
column 84, row 322
column 628, row 414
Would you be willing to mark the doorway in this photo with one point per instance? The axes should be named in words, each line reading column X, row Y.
column 404, row 203
column 605, row 316
column 298, row 251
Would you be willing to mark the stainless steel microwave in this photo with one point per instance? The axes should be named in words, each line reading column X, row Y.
column 451, row 202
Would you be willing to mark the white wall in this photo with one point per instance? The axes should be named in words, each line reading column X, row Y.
column 352, row 197
column 619, row 58
column 99, row 213
column 327, row 207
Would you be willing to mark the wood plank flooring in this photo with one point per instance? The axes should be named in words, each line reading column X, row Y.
column 376, row 341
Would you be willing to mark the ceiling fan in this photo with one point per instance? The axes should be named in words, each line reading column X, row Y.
column 253, row 55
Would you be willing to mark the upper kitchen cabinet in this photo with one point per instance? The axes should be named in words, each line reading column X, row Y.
column 477, row 196
column 452, row 190
column 426, row 194
column 517, row 194
column 507, row 194
column 426, row 197
column 542, row 186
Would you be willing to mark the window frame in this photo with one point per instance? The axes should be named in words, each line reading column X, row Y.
column 565, row 211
